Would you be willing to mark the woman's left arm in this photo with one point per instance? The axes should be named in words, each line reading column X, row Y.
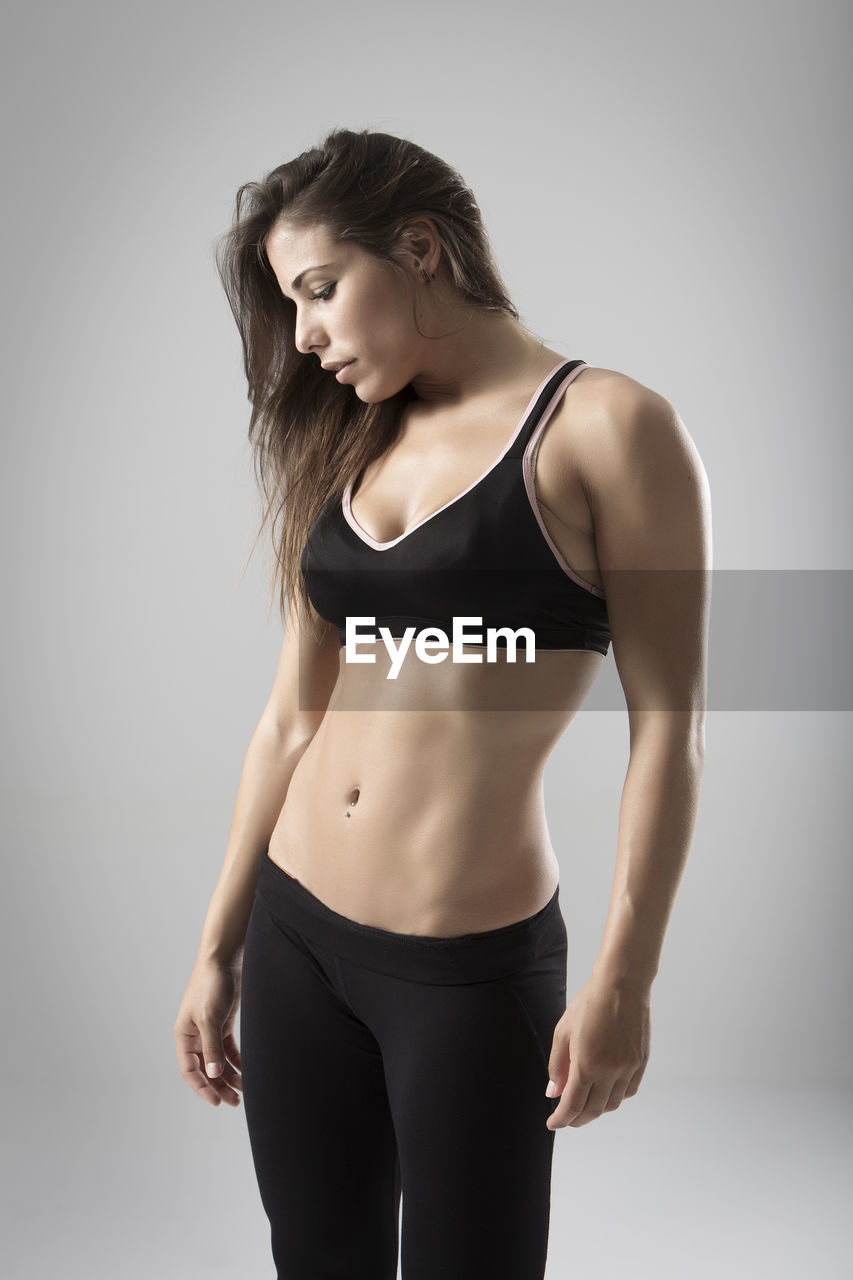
column 649, row 498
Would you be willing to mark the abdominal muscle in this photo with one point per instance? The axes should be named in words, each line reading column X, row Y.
column 417, row 807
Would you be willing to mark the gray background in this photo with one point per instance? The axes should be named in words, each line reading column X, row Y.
column 667, row 186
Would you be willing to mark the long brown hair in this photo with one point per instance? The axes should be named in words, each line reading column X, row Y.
column 310, row 434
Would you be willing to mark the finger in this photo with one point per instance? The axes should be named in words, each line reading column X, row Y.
column 233, row 1066
column 621, row 1090
column 190, row 1067
column 213, row 1050
column 232, row 1077
column 595, row 1104
column 226, row 1092
column 573, row 1100
column 559, row 1065
column 634, row 1084
column 233, row 1049
column 229, row 1083
column 222, row 1088
column 617, row 1097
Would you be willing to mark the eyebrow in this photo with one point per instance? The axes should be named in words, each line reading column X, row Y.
column 294, row 284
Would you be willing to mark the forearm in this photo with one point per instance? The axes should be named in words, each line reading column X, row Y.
column 267, row 770
column 657, row 817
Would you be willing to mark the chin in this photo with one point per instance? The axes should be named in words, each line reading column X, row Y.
column 376, row 394
column 368, row 396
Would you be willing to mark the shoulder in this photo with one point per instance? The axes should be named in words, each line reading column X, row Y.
column 615, row 430
column 610, row 410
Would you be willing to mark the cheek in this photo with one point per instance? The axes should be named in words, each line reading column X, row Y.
column 390, row 316
column 398, row 337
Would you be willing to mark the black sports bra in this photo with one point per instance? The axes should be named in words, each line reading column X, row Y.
column 486, row 554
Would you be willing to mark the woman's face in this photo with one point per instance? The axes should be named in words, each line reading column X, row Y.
column 350, row 308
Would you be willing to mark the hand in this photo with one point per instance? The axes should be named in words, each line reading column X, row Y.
column 208, row 1053
column 599, row 1052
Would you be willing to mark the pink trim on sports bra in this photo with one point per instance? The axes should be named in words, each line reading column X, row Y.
column 383, row 546
column 527, row 466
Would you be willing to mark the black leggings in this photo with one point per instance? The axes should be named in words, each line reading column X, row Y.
column 378, row 1062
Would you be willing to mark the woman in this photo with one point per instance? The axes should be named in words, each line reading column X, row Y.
column 392, row 933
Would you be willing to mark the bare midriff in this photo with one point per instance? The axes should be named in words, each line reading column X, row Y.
column 418, row 807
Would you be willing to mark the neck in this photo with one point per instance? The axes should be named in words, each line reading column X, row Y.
column 479, row 351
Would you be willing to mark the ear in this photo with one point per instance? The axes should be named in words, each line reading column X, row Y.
column 418, row 245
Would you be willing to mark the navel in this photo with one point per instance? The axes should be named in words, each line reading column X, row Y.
column 353, row 800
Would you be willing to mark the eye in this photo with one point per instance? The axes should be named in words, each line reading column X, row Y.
column 324, row 294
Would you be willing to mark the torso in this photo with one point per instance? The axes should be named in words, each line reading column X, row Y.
column 414, row 808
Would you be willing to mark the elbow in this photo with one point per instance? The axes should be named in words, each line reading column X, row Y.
column 691, row 733
column 696, row 743
column 293, row 733
column 676, row 732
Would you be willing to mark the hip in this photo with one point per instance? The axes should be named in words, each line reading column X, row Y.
column 471, row 956
column 435, row 879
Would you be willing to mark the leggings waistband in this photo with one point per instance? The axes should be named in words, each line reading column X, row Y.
column 464, row 958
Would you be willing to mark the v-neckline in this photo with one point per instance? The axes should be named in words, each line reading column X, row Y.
column 384, row 546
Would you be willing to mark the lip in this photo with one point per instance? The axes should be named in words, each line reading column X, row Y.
column 339, row 375
column 336, row 364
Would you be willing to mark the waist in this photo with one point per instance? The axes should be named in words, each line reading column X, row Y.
column 390, row 674
column 463, row 957
column 426, row 839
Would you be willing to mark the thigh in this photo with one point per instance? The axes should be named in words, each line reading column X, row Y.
column 317, row 1112
column 467, row 1067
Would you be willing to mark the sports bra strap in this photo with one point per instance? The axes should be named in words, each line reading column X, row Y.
column 548, row 399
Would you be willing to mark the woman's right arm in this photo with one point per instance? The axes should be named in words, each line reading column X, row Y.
column 204, row 1028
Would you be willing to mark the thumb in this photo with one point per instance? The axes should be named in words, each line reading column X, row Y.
column 558, row 1067
column 213, row 1054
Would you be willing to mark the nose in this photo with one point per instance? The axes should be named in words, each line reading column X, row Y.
column 309, row 332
